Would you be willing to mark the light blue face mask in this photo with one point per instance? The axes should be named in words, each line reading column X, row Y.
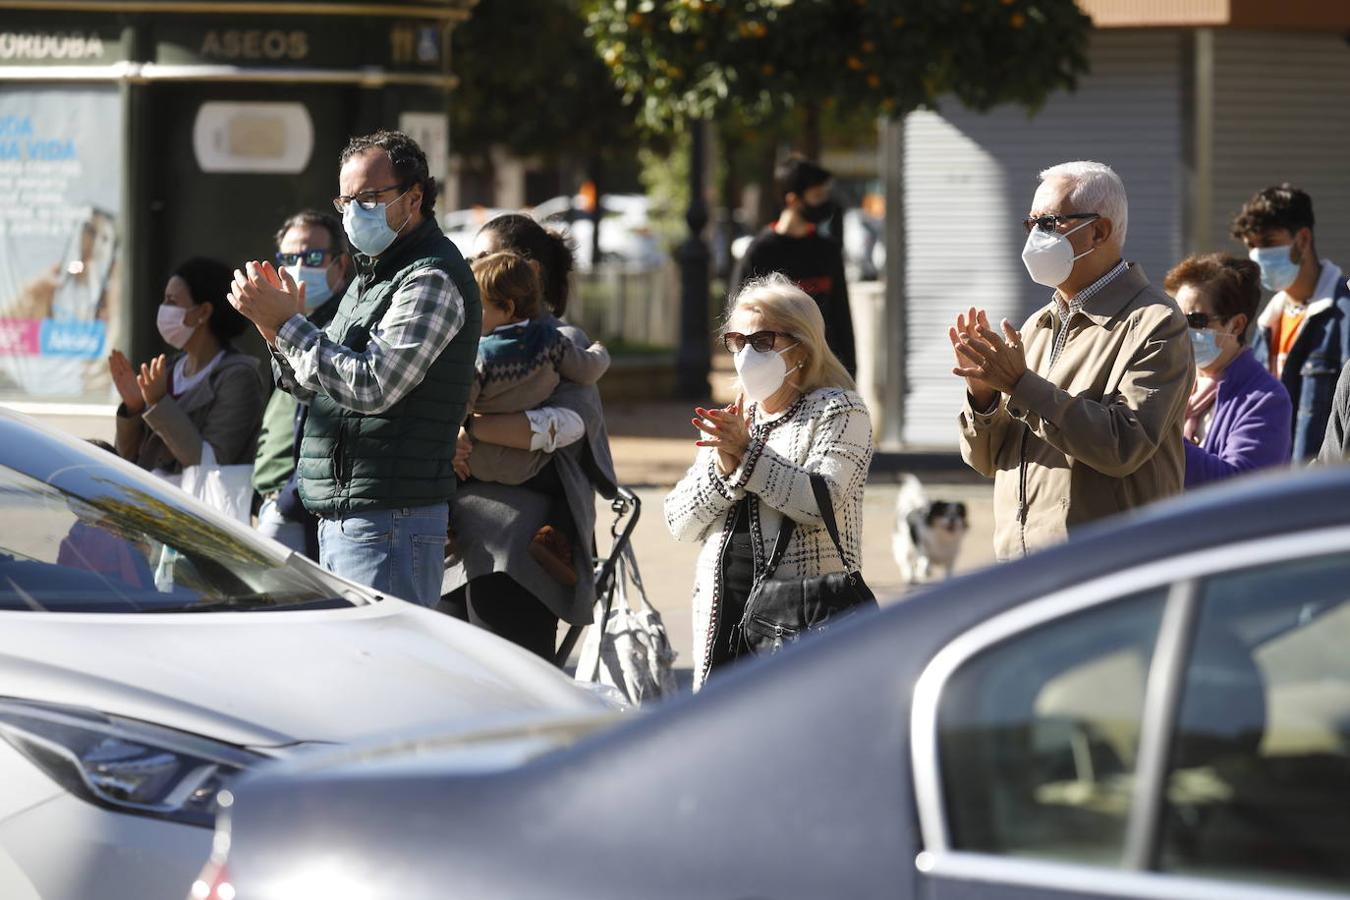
column 1205, row 346
column 368, row 229
column 1278, row 271
column 315, row 280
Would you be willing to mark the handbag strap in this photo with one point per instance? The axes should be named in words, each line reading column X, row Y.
column 826, row 506
column 780, row 545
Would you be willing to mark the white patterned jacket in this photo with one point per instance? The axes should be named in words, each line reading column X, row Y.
column 827, row 432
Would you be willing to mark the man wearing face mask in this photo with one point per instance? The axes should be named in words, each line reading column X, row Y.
column 312, row 248
column 794, row 247
column 1079, row 415
column 1303, row 334
column 387, row 380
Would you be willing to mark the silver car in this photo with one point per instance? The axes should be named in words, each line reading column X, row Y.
column 152, row 651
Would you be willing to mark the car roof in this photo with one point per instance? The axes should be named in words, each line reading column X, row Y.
column 1227, row 512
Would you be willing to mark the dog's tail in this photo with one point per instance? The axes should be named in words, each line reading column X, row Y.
column 910, row 499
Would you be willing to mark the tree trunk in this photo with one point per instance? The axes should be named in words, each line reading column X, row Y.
column 810, row 136
column 730, row 201
column 770, row 204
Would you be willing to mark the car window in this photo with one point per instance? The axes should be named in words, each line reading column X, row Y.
column 1038, row 735
column 1259, row 779
column 86, row 538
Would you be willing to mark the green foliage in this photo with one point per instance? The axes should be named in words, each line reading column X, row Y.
column 665, row 180
column 531, row 81
column 758, row 59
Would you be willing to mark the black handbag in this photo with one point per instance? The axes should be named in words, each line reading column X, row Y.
column 781, row 610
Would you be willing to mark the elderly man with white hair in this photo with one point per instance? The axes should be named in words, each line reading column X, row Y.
column 1078, row 415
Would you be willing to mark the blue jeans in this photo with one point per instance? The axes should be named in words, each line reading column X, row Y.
column 400, row 552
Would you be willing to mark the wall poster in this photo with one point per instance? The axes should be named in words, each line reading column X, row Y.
column 60, row 198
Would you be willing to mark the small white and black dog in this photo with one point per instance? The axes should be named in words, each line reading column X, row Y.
column 928, row 533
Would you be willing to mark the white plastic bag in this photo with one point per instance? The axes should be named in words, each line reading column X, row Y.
column 630, row 652
column 226, row 489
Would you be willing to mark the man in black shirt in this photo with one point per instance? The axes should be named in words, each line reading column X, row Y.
column 813, row 262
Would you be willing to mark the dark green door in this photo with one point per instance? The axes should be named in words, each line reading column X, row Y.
column 232, row 215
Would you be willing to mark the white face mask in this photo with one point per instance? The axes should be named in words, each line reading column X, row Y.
column 761, row 374
column 1048, row 255
column 169, row 320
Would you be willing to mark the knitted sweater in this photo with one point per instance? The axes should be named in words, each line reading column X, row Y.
column 827, row 432
column 519, row 366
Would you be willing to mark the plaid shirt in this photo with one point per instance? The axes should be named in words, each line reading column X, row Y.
column 1075, row 306
column 425, row 313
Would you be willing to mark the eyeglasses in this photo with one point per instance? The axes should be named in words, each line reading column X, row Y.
column 762, row 341
column 313, row 258
column 1051, row 223
column 366, row 199
column 1199, row 320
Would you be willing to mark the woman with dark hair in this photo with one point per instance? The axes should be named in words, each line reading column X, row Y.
column 208, row 393
column 1239, row 416
column 501, row 528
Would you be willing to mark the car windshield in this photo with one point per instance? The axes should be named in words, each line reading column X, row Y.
column 81, row 535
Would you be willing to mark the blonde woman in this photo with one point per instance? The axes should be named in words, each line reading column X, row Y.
column 797, row 415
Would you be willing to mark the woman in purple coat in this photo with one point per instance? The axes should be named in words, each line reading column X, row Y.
column 1239, row 417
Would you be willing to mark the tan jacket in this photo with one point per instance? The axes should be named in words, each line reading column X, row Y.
column 1097, row 433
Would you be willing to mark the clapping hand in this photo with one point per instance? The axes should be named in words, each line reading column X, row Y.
column 124, row 379
column 728, row 430
column 989, row 362
column 266, row 297
column 153, row 380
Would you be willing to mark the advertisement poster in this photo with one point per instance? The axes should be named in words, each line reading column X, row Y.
column 60, row 183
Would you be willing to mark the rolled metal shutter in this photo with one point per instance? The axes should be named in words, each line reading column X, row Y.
column 1279, row 115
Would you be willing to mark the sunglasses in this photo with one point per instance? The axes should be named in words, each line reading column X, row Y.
column 1052, row 223
column 1201, row 320
column 761, row 341
column 312, row 258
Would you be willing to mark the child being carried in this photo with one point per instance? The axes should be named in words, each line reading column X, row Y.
column 521, row 360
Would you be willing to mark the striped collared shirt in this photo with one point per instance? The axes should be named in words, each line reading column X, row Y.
column 426, row 312
column 1076, row 305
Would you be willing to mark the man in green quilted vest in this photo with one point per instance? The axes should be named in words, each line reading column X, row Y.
column 387, row 380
